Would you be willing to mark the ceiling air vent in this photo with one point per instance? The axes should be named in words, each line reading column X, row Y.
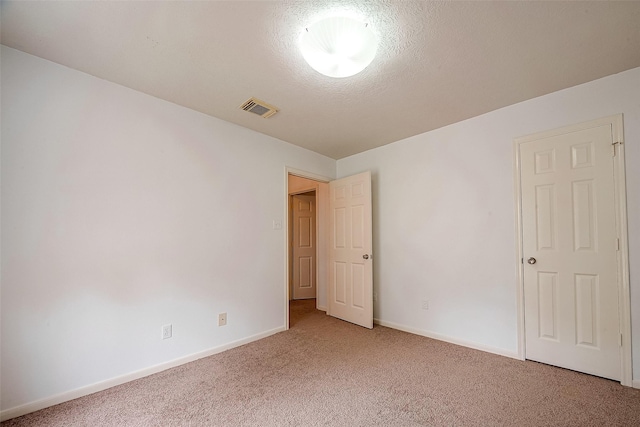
column 258, row 107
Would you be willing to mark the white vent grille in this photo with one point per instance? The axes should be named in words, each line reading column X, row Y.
column 258, row 107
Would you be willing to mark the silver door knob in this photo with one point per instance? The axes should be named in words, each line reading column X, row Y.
column 531, row 260
column 365, row 256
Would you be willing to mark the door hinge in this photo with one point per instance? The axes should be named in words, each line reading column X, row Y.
column 613, row 145
column 617, row 244
column 620, row 339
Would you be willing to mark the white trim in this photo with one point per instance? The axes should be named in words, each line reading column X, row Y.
column 285, row 225
column 445, row 338
column 624, row 294
column 322, row 308
column 617, row 130
column 636, row 384
column 519, row 255
column 303, row 174
column 27, row 408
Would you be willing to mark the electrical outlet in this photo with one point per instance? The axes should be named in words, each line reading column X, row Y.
column 277, row 224
column 166, row 332
column 222, row 319
column 425, row 304
column 375, row 297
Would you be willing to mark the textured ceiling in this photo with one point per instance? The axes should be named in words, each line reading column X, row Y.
column 438, row 62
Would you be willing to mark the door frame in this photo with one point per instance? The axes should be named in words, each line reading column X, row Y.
column 620, row 200
column 319, row 257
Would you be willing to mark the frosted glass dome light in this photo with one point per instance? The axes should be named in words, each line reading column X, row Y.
column 338, row 46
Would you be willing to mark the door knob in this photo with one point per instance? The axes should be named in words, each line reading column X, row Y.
column 531, row 260
column 365, row 256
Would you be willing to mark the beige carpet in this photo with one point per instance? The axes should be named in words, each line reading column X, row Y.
column 325, row 372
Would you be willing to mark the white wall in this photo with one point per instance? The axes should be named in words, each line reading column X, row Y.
column 122, row 213
column 444, row 222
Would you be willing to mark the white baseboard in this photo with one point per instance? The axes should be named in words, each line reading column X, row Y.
column 321, row 308
column 18, row 411
column 440, row 337
column 635, row 383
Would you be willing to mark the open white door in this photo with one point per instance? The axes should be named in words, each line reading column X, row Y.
column 350, row 293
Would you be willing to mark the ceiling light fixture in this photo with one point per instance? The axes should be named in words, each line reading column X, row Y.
column 338, row 46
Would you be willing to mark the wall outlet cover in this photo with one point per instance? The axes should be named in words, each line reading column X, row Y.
column 167, row 332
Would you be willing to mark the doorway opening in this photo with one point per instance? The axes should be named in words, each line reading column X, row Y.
column 307, row 197
column 343, row 268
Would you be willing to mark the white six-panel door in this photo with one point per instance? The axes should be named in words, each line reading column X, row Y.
column 350, row 291
column 304, row 246
column 570, row 244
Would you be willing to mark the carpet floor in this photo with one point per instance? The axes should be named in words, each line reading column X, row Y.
column 326, row 372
